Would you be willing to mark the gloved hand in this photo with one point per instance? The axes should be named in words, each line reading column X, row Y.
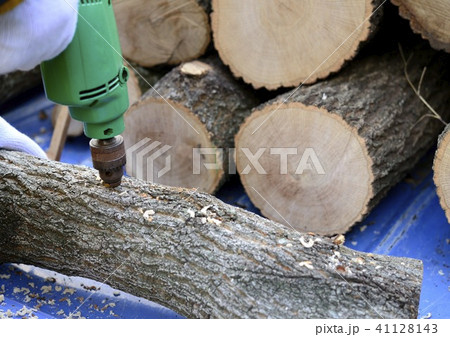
column 11, row 139
column 32, row 31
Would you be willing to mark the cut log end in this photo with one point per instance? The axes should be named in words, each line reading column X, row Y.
column 162, row 32
column 195, row 68
column 364, row 130
column 197, row 105
column 325, row 184
column 429, row 19
column 277, row 44
column 441, row 168
column 166, row 123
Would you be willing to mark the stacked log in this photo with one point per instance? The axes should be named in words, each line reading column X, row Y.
column 441, row 170
column 429, row 19
column 162, row 32
column 196, row 110
column 346, row 141
column 276, row 44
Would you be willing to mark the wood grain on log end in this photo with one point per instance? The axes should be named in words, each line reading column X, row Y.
column 171, row 124
column 441, row 170
column 162, row 32
column 428, row 18
column 198, row 105
column 346, row 140
column 276, row 44
column 301, row 194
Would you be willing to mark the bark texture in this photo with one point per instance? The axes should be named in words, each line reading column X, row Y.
column 373, row 99
column 210, row 106
column 189, row 251
column 220, row 102
column 147, row 77
column 18, row 82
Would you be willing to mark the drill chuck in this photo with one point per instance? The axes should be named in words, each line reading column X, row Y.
column 108, row 157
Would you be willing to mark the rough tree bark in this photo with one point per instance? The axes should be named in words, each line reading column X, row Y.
column 189, row 251
column 284, row 43
column 441, row 169
column 147, row 77
column 429, row 19
column 354, row 136
column 18, row 82
column 197, row 105
column 162, row 32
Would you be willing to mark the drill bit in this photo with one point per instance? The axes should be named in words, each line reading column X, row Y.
column 108, row 157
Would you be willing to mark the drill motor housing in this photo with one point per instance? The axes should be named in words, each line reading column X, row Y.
column 89, row 76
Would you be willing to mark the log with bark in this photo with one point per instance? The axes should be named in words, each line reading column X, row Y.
column 441, row 170
column 147, row 77
column 284, row 43
column 162, row 32
column 196, row 109
column 321, row 157
column 429, row 19
column 18, row 82
column 189, row 251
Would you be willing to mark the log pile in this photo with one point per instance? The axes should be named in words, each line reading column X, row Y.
column 315, row 158
column 350, row 138
column 273, row 44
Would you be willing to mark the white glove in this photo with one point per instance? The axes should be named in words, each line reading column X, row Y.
column 35, row 31
column 11, row 139
column 32, row 32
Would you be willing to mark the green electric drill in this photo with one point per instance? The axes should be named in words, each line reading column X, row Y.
column 89, row 77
